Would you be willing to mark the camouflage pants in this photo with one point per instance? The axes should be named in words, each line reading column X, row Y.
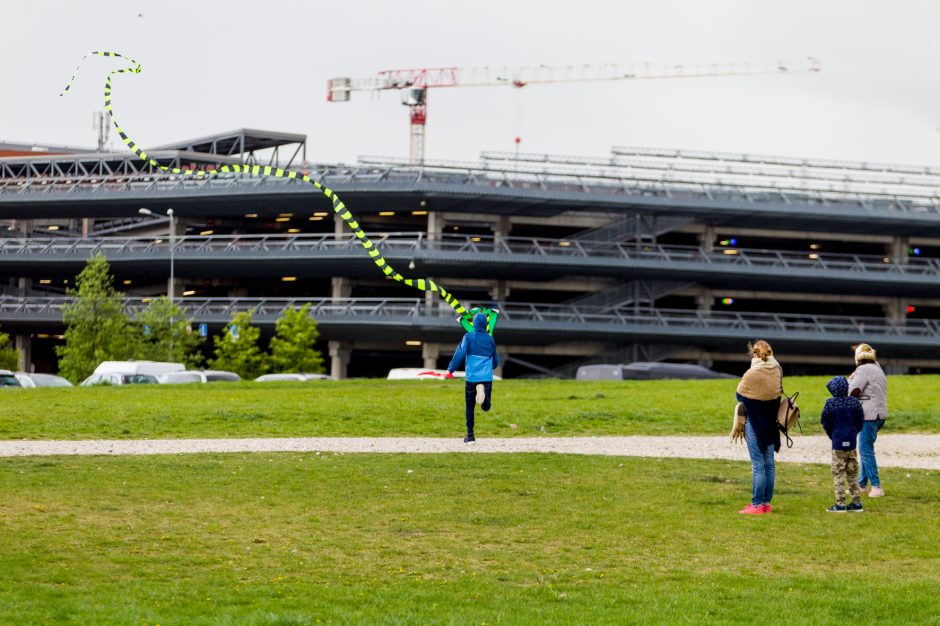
column 845, row 469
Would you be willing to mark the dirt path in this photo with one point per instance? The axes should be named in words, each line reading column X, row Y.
column 914, row 451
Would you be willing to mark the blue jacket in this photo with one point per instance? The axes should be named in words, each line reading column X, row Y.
column 479, row 350
column 842, row 416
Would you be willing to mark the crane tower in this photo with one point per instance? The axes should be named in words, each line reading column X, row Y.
column 415, row 83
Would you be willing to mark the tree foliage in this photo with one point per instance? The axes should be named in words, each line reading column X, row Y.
column 8, row 356
column 166, row 334
column 237, row 350
column 97, row 327
column 292, row 347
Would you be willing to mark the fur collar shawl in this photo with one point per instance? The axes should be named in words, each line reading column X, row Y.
column 763, row 381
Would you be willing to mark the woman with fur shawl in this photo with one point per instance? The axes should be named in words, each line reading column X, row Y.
column 760, row 390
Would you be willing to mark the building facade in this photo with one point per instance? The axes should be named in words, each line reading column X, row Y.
column 644, row 254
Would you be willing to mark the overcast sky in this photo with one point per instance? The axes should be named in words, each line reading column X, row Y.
column 211, row 67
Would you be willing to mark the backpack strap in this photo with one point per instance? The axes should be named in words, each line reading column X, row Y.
column 791, row 402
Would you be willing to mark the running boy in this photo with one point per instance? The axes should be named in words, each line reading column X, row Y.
column 478, row 348
column 843, row 418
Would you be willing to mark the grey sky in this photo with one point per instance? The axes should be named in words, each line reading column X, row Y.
column 212, row 67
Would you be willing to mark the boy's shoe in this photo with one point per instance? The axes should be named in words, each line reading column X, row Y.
column 481, row 394
column 855, row 507
column 752, row 510
column 876, row 492
column 469, row 439
column 837, row 508
column 766, row 508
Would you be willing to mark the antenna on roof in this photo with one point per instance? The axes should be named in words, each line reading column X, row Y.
column 101, row 125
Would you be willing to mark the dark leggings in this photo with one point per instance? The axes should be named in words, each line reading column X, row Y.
column 470, row 395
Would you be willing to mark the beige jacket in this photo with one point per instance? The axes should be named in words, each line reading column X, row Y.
column 763, row 381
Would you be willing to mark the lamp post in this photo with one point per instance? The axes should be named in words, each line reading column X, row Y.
column 171, row 288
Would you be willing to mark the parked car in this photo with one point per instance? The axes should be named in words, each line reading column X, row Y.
column 153, row 368
column 194, row 376
column 643, row 370
column 421, row 373
column 8, row 379
column 270, row 378
column 417, row 373
column 32, row 379
column 120, row 378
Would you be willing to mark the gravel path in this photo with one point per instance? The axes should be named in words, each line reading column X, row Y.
column 914, row 451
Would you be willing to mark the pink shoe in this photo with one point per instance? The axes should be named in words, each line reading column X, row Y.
column 766, row 508
column 751, row 510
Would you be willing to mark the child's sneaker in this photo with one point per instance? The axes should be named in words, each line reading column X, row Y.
column 751, row 510
column 855, row 507
column 837, row 508
column 876, row 492
column 863, row 488
column 469, row 439
column 481, row 394
column 766, row 508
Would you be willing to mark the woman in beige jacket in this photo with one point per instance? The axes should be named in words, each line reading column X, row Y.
column 760, row 390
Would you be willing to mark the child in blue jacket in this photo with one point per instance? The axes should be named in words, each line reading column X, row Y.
column 478, row 348
column 843, row 418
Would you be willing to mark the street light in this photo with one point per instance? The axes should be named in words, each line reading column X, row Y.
column 171, row 288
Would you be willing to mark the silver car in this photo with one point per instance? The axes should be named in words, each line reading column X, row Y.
column 270, row 378
column 8, row 379
column 205, row 376
column 32, row 379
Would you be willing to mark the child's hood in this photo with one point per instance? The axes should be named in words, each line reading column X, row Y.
column 838, row 387
column 479, row 322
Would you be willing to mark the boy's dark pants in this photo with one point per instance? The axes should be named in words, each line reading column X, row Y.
column 470, row 394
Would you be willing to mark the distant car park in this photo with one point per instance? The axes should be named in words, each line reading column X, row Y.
column 119, row 378
column 194, row 376
column 643, row 370
column 270, row 378
column 30, row 379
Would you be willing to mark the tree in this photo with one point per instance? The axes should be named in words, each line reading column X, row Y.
column 97, row 327
column 236, row 349
column 166, row 334
column 292, row 347
column 9, row 359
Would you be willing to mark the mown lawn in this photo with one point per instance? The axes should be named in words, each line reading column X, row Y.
column 454, row 539
column 418, row 408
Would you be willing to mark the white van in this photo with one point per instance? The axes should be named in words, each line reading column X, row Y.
column 153, row 368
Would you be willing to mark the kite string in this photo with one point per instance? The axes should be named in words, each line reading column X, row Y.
column 422, row 284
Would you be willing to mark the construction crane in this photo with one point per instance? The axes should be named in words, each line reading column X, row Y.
column 415, row 83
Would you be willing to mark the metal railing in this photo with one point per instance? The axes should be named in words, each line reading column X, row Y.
column 745, row 171
column 418, row 245
column 520, row 316
column 519, row 176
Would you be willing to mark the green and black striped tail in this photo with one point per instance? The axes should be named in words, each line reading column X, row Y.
column 422, row 284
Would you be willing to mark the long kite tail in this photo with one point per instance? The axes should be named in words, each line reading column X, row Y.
column 423, row 284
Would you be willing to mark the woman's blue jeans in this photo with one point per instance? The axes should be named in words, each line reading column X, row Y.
column 763, row 471
column 866, row 451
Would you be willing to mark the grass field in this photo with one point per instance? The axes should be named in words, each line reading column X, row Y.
column 454, row 539
column 385, row 408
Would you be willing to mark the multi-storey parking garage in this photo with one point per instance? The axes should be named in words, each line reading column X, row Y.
column 645, row 254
